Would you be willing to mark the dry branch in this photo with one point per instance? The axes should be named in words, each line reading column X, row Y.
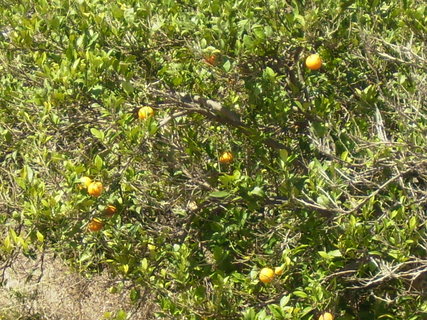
column 212, row 110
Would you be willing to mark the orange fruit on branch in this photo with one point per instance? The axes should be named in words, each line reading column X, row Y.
column 226, row 157
column 210, row 59
column 313, row 62
column 145, row 112
column 266, row 275
column 95, row 225
column 95, row 189
column 326, row 316
column 110, row 210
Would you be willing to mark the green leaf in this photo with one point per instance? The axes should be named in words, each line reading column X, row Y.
column 276, row 311
column 257, row 191
column 300, row 294
column 97, row 133
column 40, row 236
column 144, row 264
column 269, row 73
column 227, row 66
column 98, row 162
column 412, row 223
column 96, row 90
column 153, row 126
column 283, row 155
column 134, row 295
column 345, row 156
column 219, row 194
column 324, row 255
column 7, row 244
column 259, row 32
column 27, row 173
column 335, row 253
column 121, row 315
column 262, row 315
column 117, row 12
column 125, row 268
column 113, row 290
column 300, row 19
column 249, row 314
column 226, row 179
column 128, row 87
column 319, row 128
column 284, row 301
column 306, row 310
column 13, row 235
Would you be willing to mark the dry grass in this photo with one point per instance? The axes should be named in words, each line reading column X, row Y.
column 48, row 289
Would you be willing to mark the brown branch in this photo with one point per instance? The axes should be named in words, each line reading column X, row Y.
column 167, row 119
column 392, row 272
column 382, row 187
column 215, row 111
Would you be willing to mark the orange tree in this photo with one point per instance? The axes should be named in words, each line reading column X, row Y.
column 327, row 172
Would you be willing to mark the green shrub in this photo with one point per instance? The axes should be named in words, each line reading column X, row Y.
column 328, row 176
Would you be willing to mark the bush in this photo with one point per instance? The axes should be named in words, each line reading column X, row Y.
column 328, row 171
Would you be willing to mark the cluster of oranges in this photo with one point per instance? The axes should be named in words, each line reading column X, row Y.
column 95, row 188
column 267, row 275
column 312, row 62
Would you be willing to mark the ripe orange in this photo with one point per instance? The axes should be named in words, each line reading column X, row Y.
column 226, row 157
column 278, row 271
column 326, row 316
column 145, row 112
column 313, row 62
column 85, row 182
column 110, row 210
column 95, row 189
column 266, row 275
column 210, row 59
column 95, row 225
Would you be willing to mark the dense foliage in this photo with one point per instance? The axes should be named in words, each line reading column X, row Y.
column 328, row 178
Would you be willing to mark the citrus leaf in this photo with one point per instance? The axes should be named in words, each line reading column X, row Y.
column 97, row 133
column 219, row 194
